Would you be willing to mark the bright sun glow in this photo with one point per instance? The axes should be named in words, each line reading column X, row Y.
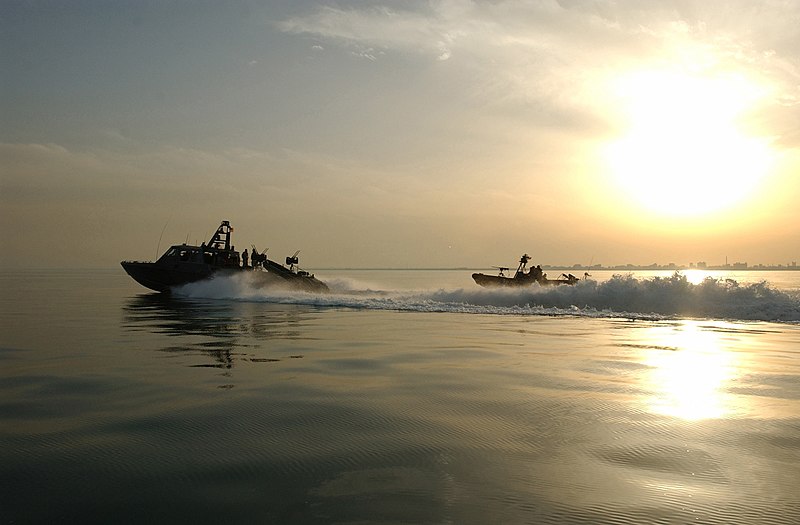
column 684, row 153
column 690, row 381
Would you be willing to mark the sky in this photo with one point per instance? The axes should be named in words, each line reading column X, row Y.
column 407, row 134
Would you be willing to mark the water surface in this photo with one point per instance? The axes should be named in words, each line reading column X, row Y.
column 403, row 397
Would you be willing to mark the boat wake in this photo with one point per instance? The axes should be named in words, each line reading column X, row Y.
column 622, row 296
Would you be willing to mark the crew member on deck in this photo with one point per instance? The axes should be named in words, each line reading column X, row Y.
column 244, row 258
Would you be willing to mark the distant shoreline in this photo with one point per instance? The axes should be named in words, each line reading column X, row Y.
column 589, row 268
column 728, row 268
column 548, row 267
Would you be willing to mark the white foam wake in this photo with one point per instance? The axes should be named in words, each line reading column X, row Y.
column 621, row 296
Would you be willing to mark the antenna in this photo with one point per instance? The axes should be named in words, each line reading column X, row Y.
column 158, row 246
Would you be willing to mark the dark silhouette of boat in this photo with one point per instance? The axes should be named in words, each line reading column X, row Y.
column 522, row 278
column 185, row 263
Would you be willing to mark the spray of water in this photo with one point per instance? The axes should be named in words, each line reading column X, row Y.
column 621, row 296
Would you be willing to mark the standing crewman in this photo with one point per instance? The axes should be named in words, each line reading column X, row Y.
column 244, row 258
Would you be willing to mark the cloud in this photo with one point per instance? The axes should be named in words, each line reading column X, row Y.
column 526, row 56
column 367, row 53
column 373, row 27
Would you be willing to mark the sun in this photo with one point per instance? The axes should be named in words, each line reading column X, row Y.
column 684, row 152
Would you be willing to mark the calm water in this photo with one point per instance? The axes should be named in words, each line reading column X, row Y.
column 403, row 397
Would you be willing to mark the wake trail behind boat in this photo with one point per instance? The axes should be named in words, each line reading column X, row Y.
column 621, row 296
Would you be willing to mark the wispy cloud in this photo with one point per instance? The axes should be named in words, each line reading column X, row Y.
column 557, row 50
column 375, row 27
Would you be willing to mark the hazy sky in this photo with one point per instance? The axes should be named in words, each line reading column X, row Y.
column 402, row 134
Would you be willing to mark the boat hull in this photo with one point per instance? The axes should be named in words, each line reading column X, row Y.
column 162, row 278
column 274, row 273
column 497, row 281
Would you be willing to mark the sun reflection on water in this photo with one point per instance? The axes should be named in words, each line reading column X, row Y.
column 689, row 372
column 695, row 276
